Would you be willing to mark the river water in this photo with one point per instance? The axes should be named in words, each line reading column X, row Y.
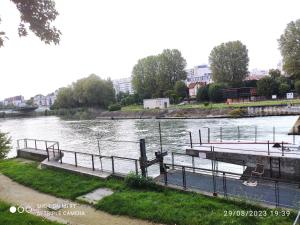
column 81, row 135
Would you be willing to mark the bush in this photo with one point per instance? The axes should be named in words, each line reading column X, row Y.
column 202, row 94
column 215, row 92
column 114, row 107
column 237, row 113
column 4, row 145
column 139, row 182
column 297, row 86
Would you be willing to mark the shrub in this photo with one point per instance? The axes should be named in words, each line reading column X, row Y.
column 206, row 104
column 202, row 94
column 138, row 181
column 114, row 107
column 297, row 86
column 215, row 92
column 4, row 145
column 237, row 112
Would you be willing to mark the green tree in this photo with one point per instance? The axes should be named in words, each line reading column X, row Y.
column 290, row 49
column 215, row 92
column 154, row 75
column 229, row 62
column 297, row 86
column 180, row 89
column 65, row 98
column 4, row 145
column 202, row 94
column 265, row 86
column 283, row 89
column 274, row 73
column 37, row 16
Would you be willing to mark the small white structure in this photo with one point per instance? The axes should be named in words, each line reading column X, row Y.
column 156, row 103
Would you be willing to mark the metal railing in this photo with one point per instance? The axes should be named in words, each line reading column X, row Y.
column 223, row 182
column 36, row 144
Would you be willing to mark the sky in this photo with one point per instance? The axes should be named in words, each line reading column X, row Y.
column 107, row 37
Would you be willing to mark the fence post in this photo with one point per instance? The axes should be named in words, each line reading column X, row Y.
column 173, row 160
column 276, row 193
column 193, row 163
column 282, row 149
column 143, row 157
column 60, row 155
column 93, row 162
column 112, row 165
column 48, row 154
column 238, row 130
column 224, row 185
column 75, row 154
column 191, row 141
column 18, row 144
column 25, row 143
column 46, row 144
column 35, row 144
column 166, row 176
column 208, row 132
column 268, row 147
column 200, row 139
column 183, row 177
column 136, row 167
column 160, row 140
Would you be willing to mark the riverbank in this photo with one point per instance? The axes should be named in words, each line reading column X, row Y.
column 161, row 205
column 185, row 111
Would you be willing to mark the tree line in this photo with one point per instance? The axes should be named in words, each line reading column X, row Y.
column 91, row 91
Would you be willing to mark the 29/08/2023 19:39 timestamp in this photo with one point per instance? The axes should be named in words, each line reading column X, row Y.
column 257, row 213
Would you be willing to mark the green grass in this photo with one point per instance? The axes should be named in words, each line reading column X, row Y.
column 132, row 108
column 57, row 183
column 161, row 205
column 176, row 207
column 8, row 218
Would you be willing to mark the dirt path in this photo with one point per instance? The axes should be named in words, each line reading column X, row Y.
column 73, row 213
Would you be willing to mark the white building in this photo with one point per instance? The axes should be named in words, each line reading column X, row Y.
column 123, row 85
column 257, row 74
column 15, row 101
column 45, row 101
column 201, row 73
column 156, row 103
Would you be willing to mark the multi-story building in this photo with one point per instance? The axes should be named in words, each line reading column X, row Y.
column 201, row 73
column 15, row 101
column 45, row 101
column 123, row 85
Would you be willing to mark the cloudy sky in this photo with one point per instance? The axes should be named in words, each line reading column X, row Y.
column 107, row 37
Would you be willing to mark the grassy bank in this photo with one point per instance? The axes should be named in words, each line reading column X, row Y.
column 158, row 204
column 57, row 183
column 136, row 108
column 8, row 218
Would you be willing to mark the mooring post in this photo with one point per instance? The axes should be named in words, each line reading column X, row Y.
column 143, row 157
column 200, row 139
column 191, row 141
column 160, row 141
